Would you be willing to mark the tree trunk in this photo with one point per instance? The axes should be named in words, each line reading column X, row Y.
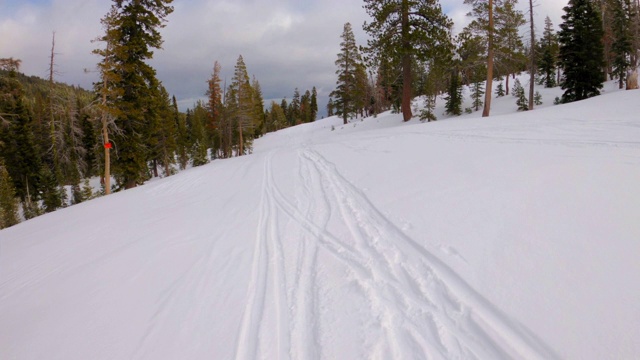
column 532, row 71
column 487, row 94
column 507, row 84
column 130, row 184
column 105, row 137
column 167, row 169
column 241, row 145
column 632, row 80
column 406, row 64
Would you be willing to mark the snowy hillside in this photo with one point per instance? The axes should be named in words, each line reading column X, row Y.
column 514, row 236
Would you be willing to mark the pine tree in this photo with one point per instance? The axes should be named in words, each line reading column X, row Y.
column 294, row 109
column 348, row 61
column 163, row 145
column 500, row 90
column 305, row 107
column 477, row 91
column 258, row 106
column 453, row 100
column 197, row 120
column 137, row 26
column 509, row 49
column 8, row 199
column 278, row 119
column 470, row 56
column 484, row 24
column 243, row 114
column 87, row 190
column 537, row 98
column 106, row 89
column 21, row 153
column 519, row 93
column 314, row 104
column 622, row 45
column 330, row 106
column 407, row 30
column 52, row 197
column 549, row 50
column 581, row 51
column 214, row 106
column 182, row 135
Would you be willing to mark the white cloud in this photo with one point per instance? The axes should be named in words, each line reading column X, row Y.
column 285, row 43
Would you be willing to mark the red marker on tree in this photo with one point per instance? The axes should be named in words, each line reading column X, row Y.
column 107, row 145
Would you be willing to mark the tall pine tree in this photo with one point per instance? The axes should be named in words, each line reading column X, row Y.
column 137, row 25
column 548, row 47
column 344, row 96
column 581, row 51
column 407, row 30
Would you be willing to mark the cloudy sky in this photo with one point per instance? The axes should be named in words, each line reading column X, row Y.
column 285, row 43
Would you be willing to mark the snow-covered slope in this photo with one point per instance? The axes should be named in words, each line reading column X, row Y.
column 515, row 236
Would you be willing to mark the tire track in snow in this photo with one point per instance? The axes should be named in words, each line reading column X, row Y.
column 408, row 286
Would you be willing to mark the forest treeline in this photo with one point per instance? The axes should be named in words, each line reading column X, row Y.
column 54, row 137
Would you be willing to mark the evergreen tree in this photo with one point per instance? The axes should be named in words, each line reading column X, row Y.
column 348, row 61
column 258, row 105
column 314, row 104
column 622, row 45
column 509, row 49
column 519, row 93
column 484, row 25
column 52, row 194
column 305, row 107
column 243, row 114
column 164, row 136
column 285, row 108
column 138, row 24
column 453, row 100
column 197, row 120
column 295, row 112
column 470, row 56
column 86, row 191
column 182, row 135
column 537, row 98
column 549, row 51
column 20, row 151
column 581, row 51
column 106, row 89
column 8, row 199
column 214, row 105
column 500, row 90
column 330, row 107
column 90, row 143
column 429, row 106
column 477, row 91
column 407, row 30
column 277, row 116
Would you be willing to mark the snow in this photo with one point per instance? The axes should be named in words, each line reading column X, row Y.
column 514, row 236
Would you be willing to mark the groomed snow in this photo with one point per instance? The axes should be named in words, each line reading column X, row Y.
column 514, row 236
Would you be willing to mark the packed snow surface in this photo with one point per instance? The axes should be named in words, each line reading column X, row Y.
column 515, row 236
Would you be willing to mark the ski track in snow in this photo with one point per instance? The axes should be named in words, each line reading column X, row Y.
column 423, row 308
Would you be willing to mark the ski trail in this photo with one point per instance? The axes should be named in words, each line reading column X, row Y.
column 304, row 311
column 267, row 307
column 407, row 286
column 278, row 262
column 247, row 343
